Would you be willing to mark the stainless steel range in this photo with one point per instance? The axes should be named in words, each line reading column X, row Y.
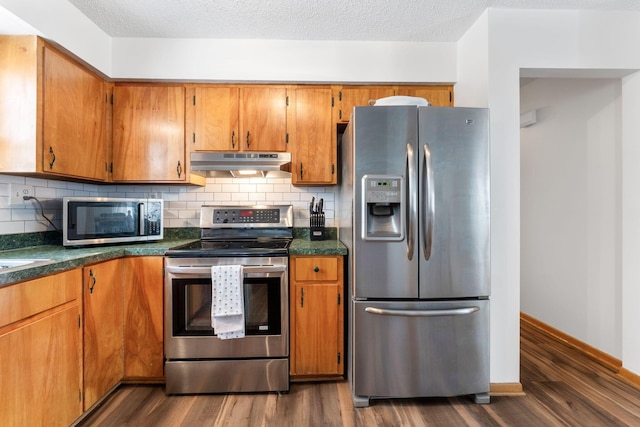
column 257, row 239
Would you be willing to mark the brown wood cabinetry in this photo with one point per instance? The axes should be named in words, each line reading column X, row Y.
column 103, row 316
column 438, row 96
column 212, row 118
column 312, row 137
column 41, row 351
column 54, row 119
column 149, row 134
column 237, row 118
column 347, row 97
column 317, row 317
column 143, row 315
column 263, row 118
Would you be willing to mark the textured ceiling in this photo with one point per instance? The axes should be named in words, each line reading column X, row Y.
column 364, row 20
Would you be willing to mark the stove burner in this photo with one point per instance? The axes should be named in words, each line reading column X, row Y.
column 214, row 245
column 212, row 248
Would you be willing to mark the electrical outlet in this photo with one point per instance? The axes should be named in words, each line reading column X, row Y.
column 17, row 193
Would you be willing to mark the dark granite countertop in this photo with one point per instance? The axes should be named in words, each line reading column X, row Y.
column 63, row 258
column 317, row 247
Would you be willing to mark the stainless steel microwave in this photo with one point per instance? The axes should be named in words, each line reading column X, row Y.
column 105, row 220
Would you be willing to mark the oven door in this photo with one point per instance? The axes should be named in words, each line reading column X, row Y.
column 189, row 334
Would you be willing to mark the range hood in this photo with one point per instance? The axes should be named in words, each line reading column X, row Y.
column 248, row 164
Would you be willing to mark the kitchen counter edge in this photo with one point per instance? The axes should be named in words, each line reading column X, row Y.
column 63, row 258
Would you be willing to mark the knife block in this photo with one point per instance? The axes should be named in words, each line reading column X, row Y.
column 317, row 230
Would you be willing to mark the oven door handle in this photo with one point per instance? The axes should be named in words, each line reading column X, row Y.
column 247, row 269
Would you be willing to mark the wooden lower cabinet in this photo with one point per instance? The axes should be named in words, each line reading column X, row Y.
column 103, row 316
column 143, row 318
column 41, row 351
column 56, row 361
column 317, row 317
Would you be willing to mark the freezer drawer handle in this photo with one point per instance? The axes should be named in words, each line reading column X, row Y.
column 422, row 313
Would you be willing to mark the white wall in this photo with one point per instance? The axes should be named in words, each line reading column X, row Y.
column 288, row 61
column 571, row 218
column 630, row 222
column 61, row 22
column 574, row 40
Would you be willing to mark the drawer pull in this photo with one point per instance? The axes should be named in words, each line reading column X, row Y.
column 316, row 269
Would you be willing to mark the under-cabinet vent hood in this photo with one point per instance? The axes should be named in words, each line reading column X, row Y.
column 253, row 164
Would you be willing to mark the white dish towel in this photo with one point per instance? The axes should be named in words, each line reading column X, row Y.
column 227, row 301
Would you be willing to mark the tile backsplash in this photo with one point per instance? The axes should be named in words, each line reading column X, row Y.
column 182, row 203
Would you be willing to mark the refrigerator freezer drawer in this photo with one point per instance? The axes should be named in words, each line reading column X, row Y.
column 420, row 349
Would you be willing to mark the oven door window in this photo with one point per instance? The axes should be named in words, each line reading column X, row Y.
column 192, row 306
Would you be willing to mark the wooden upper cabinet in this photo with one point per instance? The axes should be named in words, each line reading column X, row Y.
column 53, row 113
column 348, row 97
column 75, row 119
column 438, row 96
column 212, row 118
column 263, row 118
column 149, row 133
column 312, row 137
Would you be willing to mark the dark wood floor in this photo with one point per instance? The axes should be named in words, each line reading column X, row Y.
column 562, row 388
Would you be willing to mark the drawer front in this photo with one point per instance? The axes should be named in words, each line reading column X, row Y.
column 419, row 349
column 316, row 268
column 35, row 296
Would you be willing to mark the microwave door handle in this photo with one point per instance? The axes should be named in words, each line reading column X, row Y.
column 142, row 215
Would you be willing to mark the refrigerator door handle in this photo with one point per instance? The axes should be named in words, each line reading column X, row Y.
column 428, row 211
column 412, row 200
column 422, row 313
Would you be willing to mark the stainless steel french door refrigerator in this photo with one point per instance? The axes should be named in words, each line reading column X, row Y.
column 414, row 214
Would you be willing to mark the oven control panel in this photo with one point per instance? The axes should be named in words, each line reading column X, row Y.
column 246, row 216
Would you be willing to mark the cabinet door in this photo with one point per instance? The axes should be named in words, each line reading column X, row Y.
column 143, row 327
column 313, row 141
column 41, row 351
column 40, row 366
column 263, row 119
column 438, row 96
column 75, row 119
column 213, row 112
column 149, row 133
column 316, row 329
column 103, row 360
column 358, row 97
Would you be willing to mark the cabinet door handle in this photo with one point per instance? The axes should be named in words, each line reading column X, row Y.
column 248, row 139
column 53, row 158
column 301, row 297
column 300, row 170
column 179, row 169
column 316, row 269
column 93, row 281
column 233, row 139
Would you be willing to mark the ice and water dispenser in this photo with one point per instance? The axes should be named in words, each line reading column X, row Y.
column 383, row 207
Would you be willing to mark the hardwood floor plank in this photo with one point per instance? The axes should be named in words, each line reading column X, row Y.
column 562, row 387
